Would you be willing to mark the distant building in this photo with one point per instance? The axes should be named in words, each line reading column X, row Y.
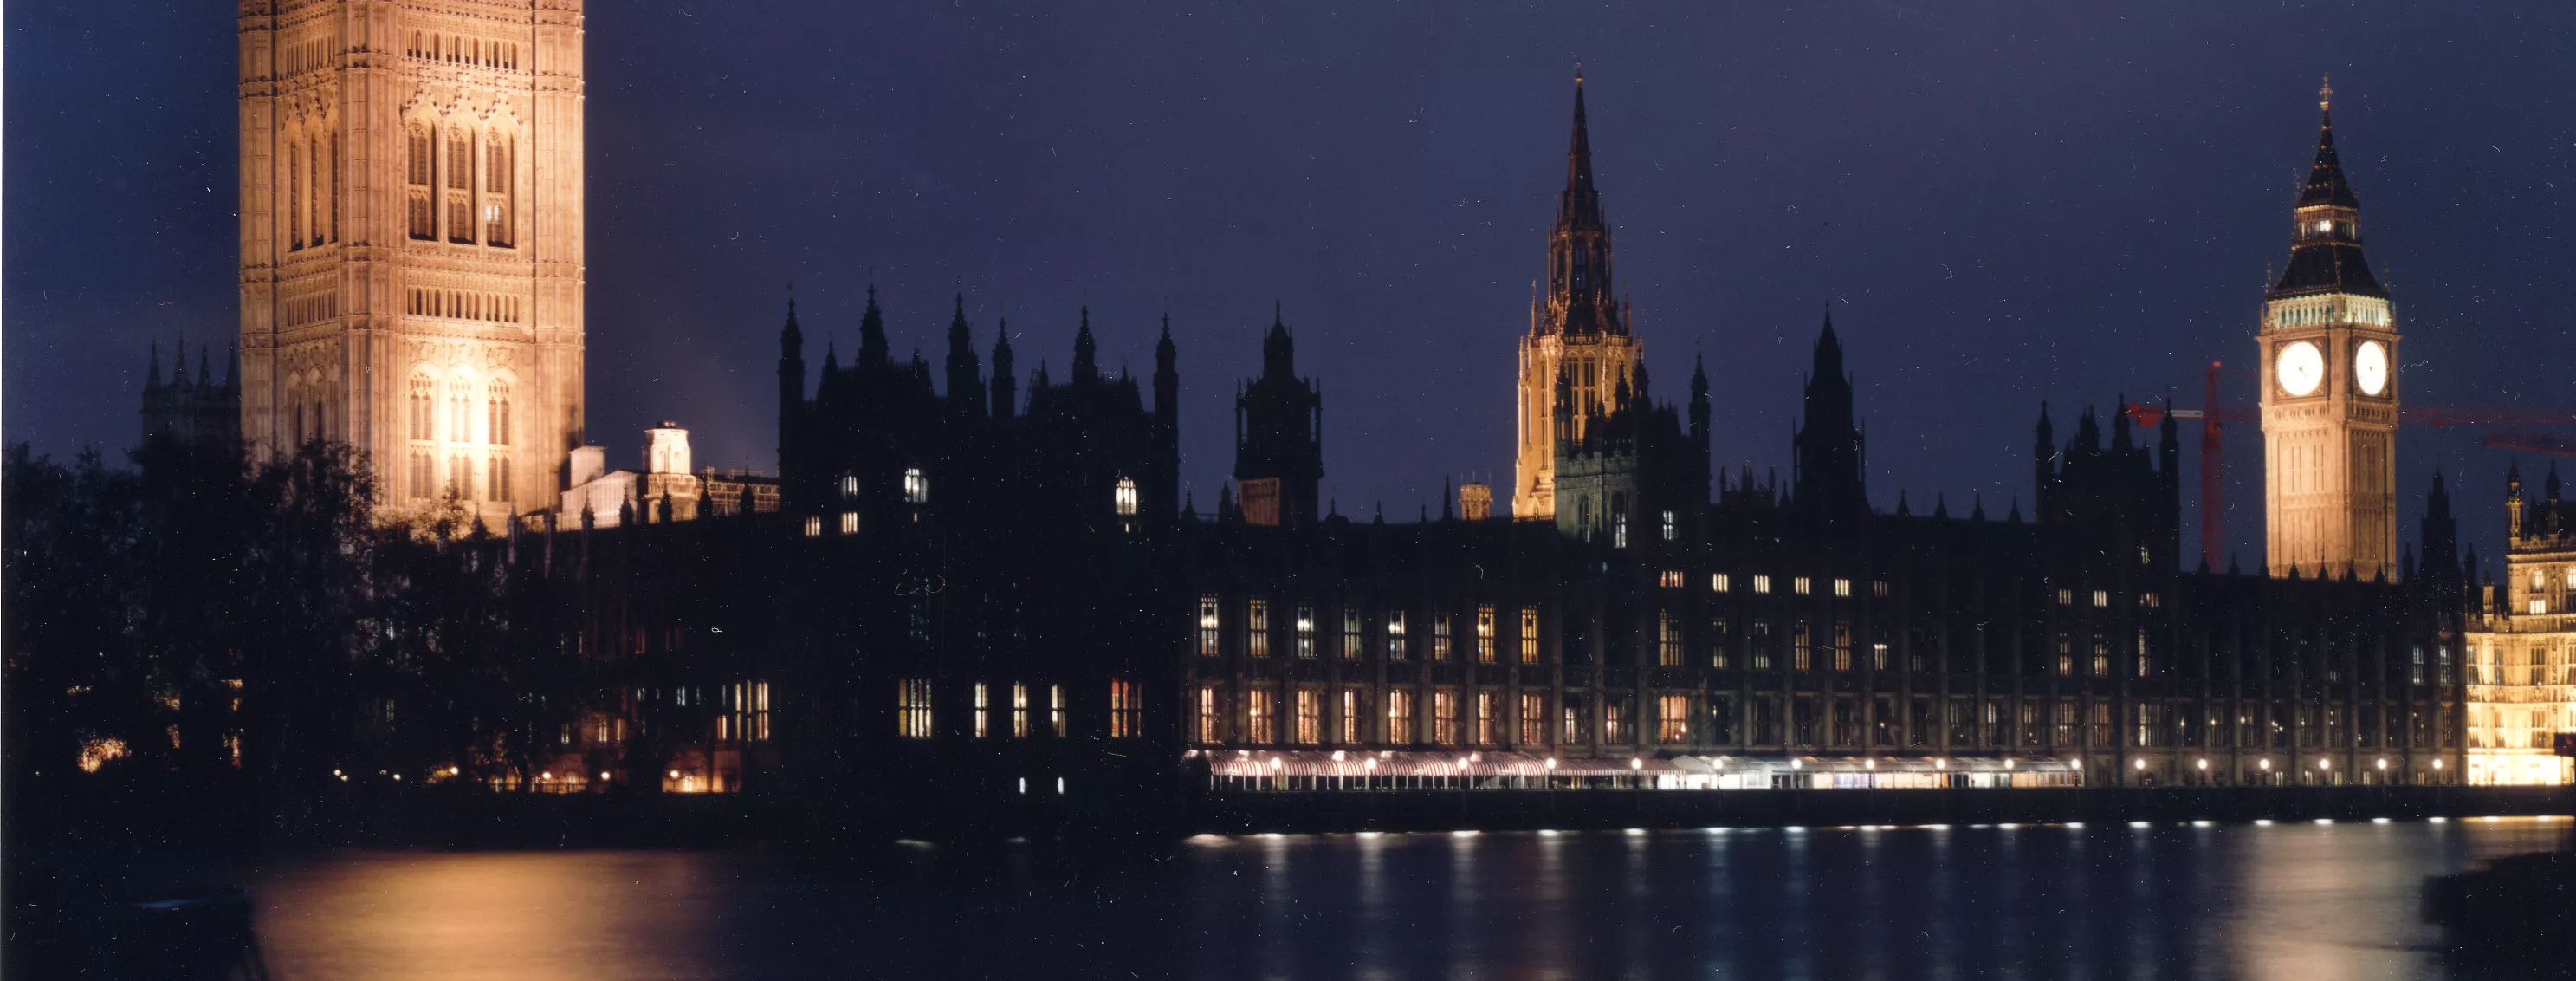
column 189, row 411
column 2522, row 642
column 664, row 490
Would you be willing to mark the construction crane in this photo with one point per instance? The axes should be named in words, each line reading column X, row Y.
column 2213, row 418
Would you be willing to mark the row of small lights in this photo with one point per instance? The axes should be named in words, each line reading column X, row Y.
column 1470, row 759
column 1801, row 829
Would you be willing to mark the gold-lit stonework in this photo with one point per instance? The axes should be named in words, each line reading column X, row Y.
column 2329, row 351
column 1579, row 329
column 411, row 242
column 2521, row 640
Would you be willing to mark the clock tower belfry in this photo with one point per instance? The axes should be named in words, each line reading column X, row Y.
column 1578, row 331
column 2329, row 356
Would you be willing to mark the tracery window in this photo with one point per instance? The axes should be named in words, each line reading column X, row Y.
column 460, row 411
column 460, row 185
column 500, row 153
column 497, row 428
column 420, row 177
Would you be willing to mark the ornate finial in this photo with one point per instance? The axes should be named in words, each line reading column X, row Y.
column 2325, row 92
column 1578, row 71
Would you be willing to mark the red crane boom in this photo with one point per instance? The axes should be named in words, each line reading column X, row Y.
column 2213, row 417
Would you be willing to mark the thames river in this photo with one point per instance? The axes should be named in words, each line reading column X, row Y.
column 2281, row 901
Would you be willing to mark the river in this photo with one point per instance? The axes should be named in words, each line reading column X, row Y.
column 2282, row 901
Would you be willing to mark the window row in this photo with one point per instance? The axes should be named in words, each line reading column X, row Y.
column 462, row 49
column 445, row 190
column 1311, row 715
column 914, row 718
column 461, row 414
column 1357, row 640
column 499, row 308
column 423, row 479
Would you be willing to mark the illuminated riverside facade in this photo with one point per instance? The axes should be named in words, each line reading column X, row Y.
column 972, row 590
column 2521, row 637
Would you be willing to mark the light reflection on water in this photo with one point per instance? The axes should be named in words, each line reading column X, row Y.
column 2293, row 901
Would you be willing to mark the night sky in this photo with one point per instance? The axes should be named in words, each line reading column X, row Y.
column 2003, row 203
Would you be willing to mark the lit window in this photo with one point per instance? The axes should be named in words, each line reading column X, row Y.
column 1529, row 635
column 1842, row 588
column 1672, row 719
column 916, row 486
column 1669, row 527
column 1354, row 644
column 1878, row 588
column 1668, row 640
column 1019, row 710
column 1395, row 635
column 760, row 710
column 1306, row 632
column 1719, row 583
column 1126, row 710
column 1762, row 584
column 1439, row 636
column 1672, row 579
column 1256, row 628
column 1207, row 625
column 849, row 487
column 1211, row 718
column 1126, row 497
column 1444, row 716
column 1842, row 645
column 1485, row 635
column 983, row 711
column 1310, row 717
column 1489, row 717
column 2101, row 598
column 1533, row 719
column 1803, row 585
column 1055, row 710
column 912, row 709
column 1260, row 711
column 1352, row 716
column 814, row 527
column 1399, row 716
column 2066, row 597
column 1802, row 647
column 849, row 522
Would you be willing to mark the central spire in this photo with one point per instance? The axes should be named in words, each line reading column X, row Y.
column 2325, row 234
column 1578, row 155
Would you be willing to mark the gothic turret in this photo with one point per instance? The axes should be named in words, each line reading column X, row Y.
column 1279, row 424
column 1006, row 386
column 2325, row 242
column 1827, row 478
column 1086, row 352
column 965, row 374
column 1167, row 384
column 791, row 378
column 872, row 335
column 1699, row 404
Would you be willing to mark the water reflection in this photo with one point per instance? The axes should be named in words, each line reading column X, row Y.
column 2281, row 902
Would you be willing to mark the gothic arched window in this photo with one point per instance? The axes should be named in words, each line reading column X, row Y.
column 420, row 176
column 500, row 477
column 423, row 423
column 496, row 429
column 460, row 411
column 1126, row 497
column 294, row 197
column 421, row 480
column 331, row 195
column 500, row 152
column 460, row 185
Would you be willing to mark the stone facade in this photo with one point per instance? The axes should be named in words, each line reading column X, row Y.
column 1579, row 347
column 2522, row 641
column 411, row 242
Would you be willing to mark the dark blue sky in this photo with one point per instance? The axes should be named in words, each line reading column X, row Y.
column 2005, row 202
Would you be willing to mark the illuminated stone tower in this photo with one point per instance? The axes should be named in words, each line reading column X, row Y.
column 2329, row 349
column 411, row 241
column 1579, row 328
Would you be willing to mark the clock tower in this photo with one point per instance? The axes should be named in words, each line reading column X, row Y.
column 2329, row 356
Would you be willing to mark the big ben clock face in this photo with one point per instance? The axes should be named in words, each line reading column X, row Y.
column 2300, row 368
column 2370, row 367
